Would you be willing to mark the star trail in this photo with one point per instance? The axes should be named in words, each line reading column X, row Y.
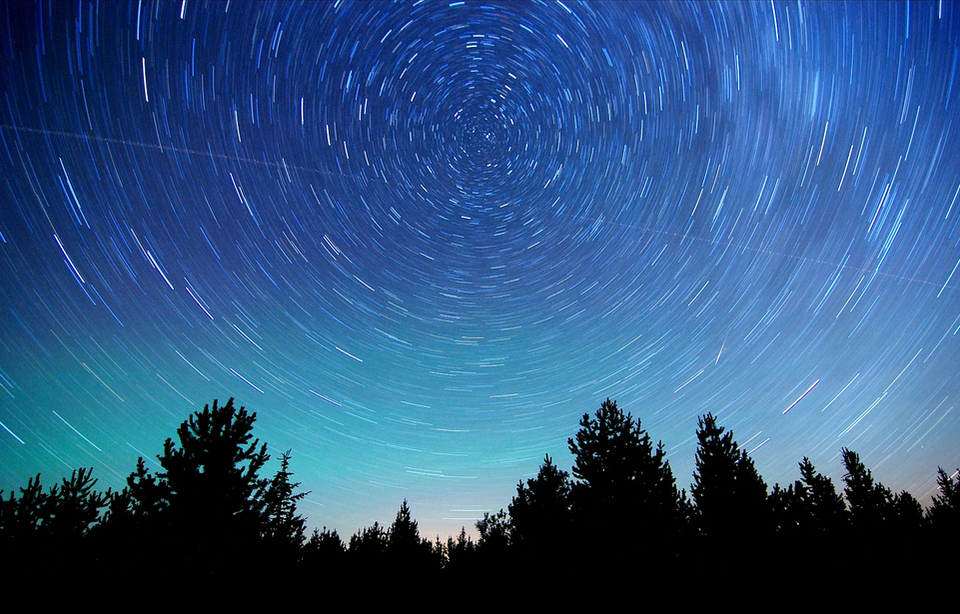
column 420, row 240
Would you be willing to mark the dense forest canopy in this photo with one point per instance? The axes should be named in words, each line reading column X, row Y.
column 209, row 507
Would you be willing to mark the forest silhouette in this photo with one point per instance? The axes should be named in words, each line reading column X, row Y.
column 618, row 517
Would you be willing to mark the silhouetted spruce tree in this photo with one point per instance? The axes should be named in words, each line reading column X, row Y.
column 810, row 506
column 908, row 516
column 871, row 504
column 622, row 478
column 404, row 533
column 323, row 555
column 368, row 547
column 284, row 528
column 540, row 512
column 494, row 536
column 730, row 496
column 52, row 533
column 808, row 516
column 946, row 504
column 944, row 514
column 50, row 524
column 826, row 513
column 22, row 518
column 326, row 542
column 406, row 550
column 789, row 509
column 208, row 506
column 460, row 554
column 135, row 525
column 438, row 554
column 886, row 528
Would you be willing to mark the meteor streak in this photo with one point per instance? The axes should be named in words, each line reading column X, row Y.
column 792, row 405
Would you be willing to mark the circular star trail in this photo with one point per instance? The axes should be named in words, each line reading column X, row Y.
column 421, row 240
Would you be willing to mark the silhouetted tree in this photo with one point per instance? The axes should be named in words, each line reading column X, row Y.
column 946, row 505
column 621, row 477
column 47, row 532
column 324, row 554
column 494, row 532
column 438, row 553
column 944, row 514
column 149, row 497
column 460, row 553
column 405, row 548
column 885, row 527
column 326, row 542
column 368, row 546
column 540, row 511
column 21, row 518
column 730, row 496
column 209, row 505
column 825, row 510
column 789, row 509
column 65, row 513
column 404, row 533
column 119, row 515
column 809, row 516
column 871, row 504
column 215, row 470
column 74, row 505
column 206, row 510
column 136, row 525
column 907, row 513
column 810, row 506
column 284, row 527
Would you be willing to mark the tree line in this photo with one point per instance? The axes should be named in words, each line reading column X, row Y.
column 618, row 511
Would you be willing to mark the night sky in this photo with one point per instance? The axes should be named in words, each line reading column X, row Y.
column 421, row 240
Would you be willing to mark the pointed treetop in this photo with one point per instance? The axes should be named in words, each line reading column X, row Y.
column 610, row 447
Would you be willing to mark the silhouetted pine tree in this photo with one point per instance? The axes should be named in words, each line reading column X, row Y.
column 810, row 506
column 208, row 507
column 944, row 515
column 406, row 550
column 789, row 509
column 495, row 533
column 886, row 528
column 324, row 555
column 622, row 478
column 540, row 512
column 136, row 525
column 368, row 547
column 826, row 513
column 871, row 504
column 729, row 494
column 44, row 533
column 908, row 518
column 461, row 554
column 945, row 510
column 325, row 542
column 809, row 516
column 22, row 519
column 63, row 514
column 284, row 528
column 404, row 534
